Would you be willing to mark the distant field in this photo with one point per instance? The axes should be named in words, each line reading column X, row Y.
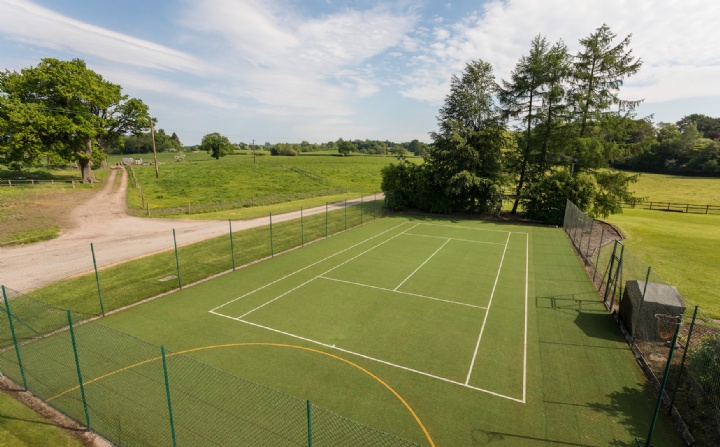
column 200, row 179
column 675, row 188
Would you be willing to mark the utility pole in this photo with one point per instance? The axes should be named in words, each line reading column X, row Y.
column 152, row 135
column 254, row 154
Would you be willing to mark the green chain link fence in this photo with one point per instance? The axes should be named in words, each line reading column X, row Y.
column 137, row 394
column 635, row 294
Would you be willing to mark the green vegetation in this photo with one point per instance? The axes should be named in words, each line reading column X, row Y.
column 677, row 189
column 200, row 180
column 684, row 249
column 582, row 384
column 22, row 427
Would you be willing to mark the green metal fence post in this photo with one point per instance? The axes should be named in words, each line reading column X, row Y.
column 309, row 423
column 346, row 214
column 97, row 279
column 167, row 392
column 232, row 247
column 597, row 261
column 682, row 362
column 15, row 342
column 302, row 228
column 361, row 210
column 272, row 247
column 326, row 220
column 374, row 204
column 77, row 366
column 177, row 259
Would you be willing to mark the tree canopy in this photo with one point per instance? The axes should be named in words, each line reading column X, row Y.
column 64, row 109
column 216, row 145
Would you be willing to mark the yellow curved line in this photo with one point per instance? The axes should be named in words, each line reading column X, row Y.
column 282, row 345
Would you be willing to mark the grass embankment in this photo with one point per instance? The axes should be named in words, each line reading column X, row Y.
column 684, row 249
column 32, row 213
column 200, row 180
column 22, row 427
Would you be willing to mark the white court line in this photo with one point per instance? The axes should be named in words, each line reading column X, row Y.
column 492, row 295
column 527, row 263
column 472, row 228
column 420, row 266
column 326, row 272
column 371, row 358
column 308, row 266
column 454, row 239
column 403, row 293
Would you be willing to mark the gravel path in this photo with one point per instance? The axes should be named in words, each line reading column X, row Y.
column 116, row 236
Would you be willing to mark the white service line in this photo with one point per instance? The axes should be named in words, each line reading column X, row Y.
column 472, row 228
column 454, row 382
column 492, row 295
column 307, row 267
column 402, row 293
column 454, row 239
column 420, row 266
column 328, row 271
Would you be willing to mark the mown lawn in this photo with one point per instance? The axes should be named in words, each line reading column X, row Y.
column 22, row 427
column 678, row 189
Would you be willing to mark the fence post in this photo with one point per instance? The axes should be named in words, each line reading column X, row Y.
column 618, row 273
column 167, row 392
column 177, row 259
column 326, row 220
column 642, row 301
column 232, row 246
column 612, row 264
column 597, row 261
column 346, row 214
column 12, row 332
column 77, row 366
column 361, row 210
column 272, row 247
column 147, row 206
column 682, row 362
column 309, row 423
column 97, row 279
column 374, row 203
column 587, row 250
column 302, row 228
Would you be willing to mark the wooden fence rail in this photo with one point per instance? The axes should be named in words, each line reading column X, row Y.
column 675, row 207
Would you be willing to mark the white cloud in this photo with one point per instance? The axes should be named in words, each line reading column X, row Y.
column 676, row 40
column 24, row 21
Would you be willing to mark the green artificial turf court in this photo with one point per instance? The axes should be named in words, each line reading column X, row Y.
column 443, row 332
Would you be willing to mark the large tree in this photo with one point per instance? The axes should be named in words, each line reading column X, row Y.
column 599, row 70
column 217, row 145
column 66, row 109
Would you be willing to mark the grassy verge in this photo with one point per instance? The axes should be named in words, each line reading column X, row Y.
column 678, row 189
column 22, row 427
column 684, row 249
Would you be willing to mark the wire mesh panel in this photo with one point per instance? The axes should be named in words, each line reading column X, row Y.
column 640, row 298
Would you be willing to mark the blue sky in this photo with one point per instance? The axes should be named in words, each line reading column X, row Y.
column 319, row 70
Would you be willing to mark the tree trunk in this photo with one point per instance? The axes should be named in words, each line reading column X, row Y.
column 86, row 171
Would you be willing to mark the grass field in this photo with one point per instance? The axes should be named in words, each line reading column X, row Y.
column 492, row 334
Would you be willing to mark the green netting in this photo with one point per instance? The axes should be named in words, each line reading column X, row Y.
column 637, row 296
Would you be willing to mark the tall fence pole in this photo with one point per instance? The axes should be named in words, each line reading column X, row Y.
column 302, row 228
column 232, row 246
column 346, row 214
column 167, row 393
column 587, row 250
column 309, row 423
column 272, row 247
column 642, row 301
column 77, row 366
column 682, row 362
column 361, row 209
column 326, row 220
column 599, row 249
column 374, row 204
column 15, row 342
column 97, row 279
column 177, row 259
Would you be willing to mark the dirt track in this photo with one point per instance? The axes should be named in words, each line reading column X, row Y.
column 116, row 236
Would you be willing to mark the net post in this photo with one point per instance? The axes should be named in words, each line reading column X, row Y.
column 77, row 367
column 326, row 220
column 167, row 393
column 682, row 362
column 309, row 423
column 15, row 342
column 97, row 279
column 232, row 245
column 302, row 228
column 177, row 259
column 272, row 247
